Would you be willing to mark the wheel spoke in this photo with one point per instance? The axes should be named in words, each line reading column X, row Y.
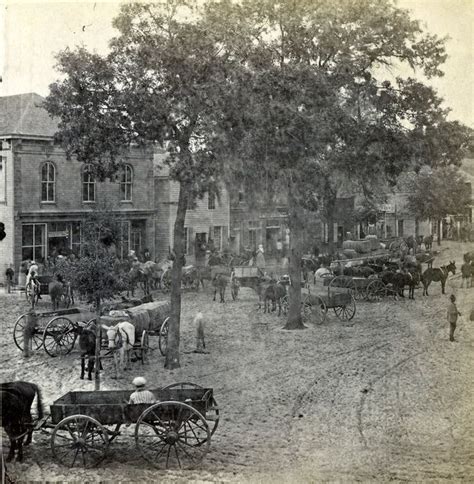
column 177, row 455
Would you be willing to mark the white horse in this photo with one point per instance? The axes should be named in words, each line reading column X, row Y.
column 121, row 338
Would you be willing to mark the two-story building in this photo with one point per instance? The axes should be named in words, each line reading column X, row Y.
column 44, row 196
column 206, row 223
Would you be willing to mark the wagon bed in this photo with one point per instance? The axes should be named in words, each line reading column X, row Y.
column 174, row 431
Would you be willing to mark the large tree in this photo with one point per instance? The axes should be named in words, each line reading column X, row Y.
column 294, row 109
column 158, row 85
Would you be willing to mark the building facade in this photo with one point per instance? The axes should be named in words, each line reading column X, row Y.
column 206, row 224
column 44, row 196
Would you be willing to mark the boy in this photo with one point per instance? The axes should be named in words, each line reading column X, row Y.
column 141, row 394
column 453, row 314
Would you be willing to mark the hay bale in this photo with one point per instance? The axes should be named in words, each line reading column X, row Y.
column 360, row 246
column 140, row 319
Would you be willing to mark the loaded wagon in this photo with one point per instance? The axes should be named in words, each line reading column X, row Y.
column 175, row 431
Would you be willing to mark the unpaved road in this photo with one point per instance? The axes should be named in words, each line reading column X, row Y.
column 383, row 397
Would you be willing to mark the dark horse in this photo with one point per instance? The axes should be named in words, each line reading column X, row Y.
column 87, row 345
column 438, row 274
column 17, row 398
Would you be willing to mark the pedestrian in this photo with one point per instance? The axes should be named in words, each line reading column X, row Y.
column 466, row 273
column 141, row 394
column 453, row 314
column 279, row 248
column 31, row 321
column 9, row 273
column 260, row 258
column 199, row 324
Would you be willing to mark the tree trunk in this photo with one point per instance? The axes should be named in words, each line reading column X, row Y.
column 438, row 235
column 172, row 354
column 97, row 347
column 294, row 269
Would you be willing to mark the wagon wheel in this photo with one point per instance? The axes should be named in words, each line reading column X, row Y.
column 314, row 309
column 376, row 290
column 18, row 334
column 343, row 282
column 172, row 434
column 165, row 281
column 163, row 337
column 212, row 413
column 347, row 311
column 79, row 440
column 59, row 336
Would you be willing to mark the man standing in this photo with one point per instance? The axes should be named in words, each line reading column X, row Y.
column 453, row 314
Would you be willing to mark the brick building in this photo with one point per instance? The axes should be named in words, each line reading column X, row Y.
column 44, row 196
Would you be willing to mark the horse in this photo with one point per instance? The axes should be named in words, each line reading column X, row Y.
column 87, row 339
column 60, row 292
column 17, row 399
column 438, row 274
column 121, row 339
column 428, row 241
column 274, row 292
column 220, row 283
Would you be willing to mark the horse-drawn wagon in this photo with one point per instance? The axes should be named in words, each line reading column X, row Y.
column 175, row 431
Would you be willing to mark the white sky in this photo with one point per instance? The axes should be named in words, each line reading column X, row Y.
column 32, row 32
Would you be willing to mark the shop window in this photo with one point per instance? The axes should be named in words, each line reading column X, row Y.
column 48, row 182
column 126, row 184
column 88, row 184
column 33, row 242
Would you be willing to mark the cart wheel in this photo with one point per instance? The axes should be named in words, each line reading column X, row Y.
column 172, row 434
column 18, row 334
column 314, row 310
column 163, row 337
column 59, row 336
column 376, row 290
column 212, row 412
column 79, row 441
column 343, row 282
column 346, row 312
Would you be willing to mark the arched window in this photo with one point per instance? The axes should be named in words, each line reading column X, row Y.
column 126, row 184
column 88, row 184
column 48, row 182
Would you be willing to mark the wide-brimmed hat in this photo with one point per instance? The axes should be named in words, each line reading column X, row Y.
column 139, row 381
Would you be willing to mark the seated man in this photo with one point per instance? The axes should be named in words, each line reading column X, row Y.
column 141, row 394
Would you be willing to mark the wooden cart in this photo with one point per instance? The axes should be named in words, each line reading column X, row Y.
column 174, row 432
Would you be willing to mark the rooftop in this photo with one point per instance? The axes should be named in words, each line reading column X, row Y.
column 22, row 114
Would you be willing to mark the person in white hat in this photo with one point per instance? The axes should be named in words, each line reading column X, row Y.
column 141, row 394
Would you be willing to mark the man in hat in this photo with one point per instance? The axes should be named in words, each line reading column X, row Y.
column 453, row 314
column 141, row 394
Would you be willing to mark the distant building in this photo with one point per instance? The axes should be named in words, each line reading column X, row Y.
column 44, row 196
column 206, row 224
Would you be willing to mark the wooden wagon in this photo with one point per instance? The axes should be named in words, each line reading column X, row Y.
column 175, row 431
column 55, row 331
column 316, row 304
column 362, row 288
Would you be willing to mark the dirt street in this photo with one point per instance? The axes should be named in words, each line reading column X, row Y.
column 383, row 397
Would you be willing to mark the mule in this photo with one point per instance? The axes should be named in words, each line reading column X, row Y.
column 220, row 283
column 16, row 401
column 87, row 339
column 274, row 292
column 60, row 292
column 428, row 241
column 121, row 339
column 438, row 274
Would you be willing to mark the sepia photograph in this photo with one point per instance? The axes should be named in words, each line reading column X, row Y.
column 237, row 241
